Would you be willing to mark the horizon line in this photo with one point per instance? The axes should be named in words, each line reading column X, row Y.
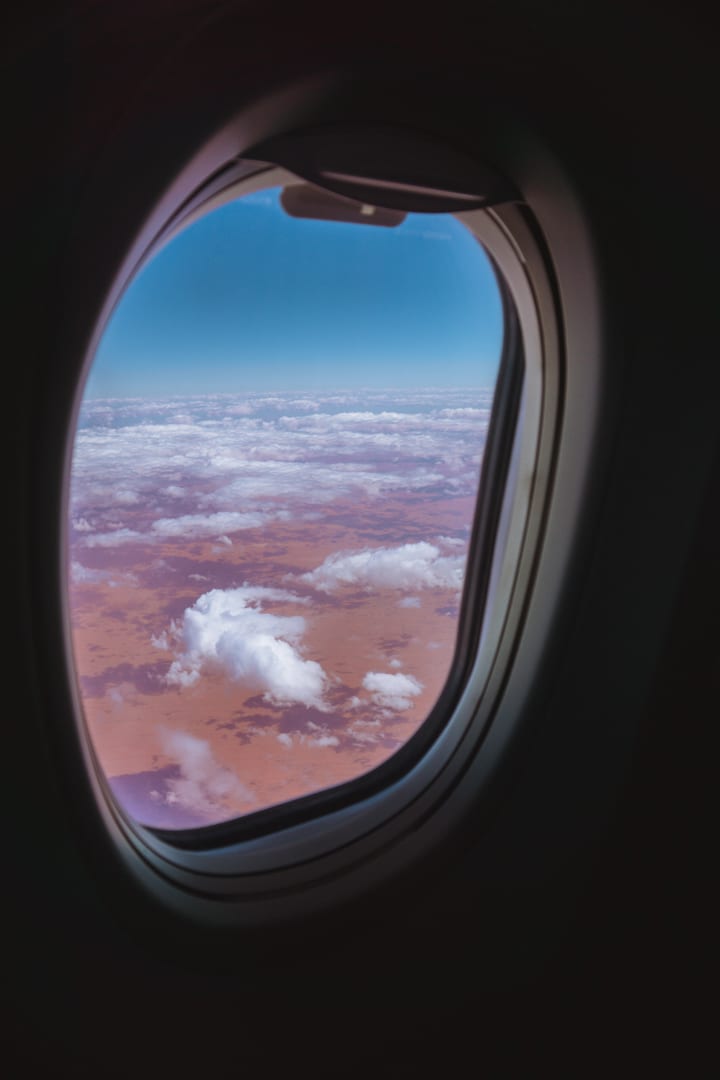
column 291, row 390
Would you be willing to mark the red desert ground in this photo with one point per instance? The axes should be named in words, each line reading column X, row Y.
column 264, row 588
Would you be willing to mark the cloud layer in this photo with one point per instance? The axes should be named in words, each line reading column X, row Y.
column 197, row 468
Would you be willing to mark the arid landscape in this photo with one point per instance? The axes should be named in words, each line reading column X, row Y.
column 264, row 588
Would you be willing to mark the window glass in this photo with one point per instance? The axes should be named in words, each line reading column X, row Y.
column 274, row 476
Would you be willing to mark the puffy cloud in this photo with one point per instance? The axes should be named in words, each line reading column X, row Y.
column 409, row 566
column 204, row 784
column 409, row 601
column 161, row 641
column 228, row 629
column 393, row 692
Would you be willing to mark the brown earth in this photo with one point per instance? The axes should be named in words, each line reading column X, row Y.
column 127, row 704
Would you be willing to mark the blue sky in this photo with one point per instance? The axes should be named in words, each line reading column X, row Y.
column 250, row 299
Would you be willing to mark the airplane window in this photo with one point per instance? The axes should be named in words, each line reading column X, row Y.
column 274, row 478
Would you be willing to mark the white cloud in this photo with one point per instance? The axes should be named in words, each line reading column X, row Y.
column 243, row 450
column 452, row 542
column 160, row 641
column 409, row 566
column 253, row 455
column 215, row 525
column 83, row 575
column 463, row 413
column 409, row 601
column 162, row 564
column 228, row 629
column 204, row 784
column 394, row 692
column 114, row 538
column 322, row 740
column 365, row 731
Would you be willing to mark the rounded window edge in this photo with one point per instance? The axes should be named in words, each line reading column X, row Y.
column 334, row 846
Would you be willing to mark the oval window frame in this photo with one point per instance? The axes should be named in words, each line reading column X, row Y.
column 262, row 875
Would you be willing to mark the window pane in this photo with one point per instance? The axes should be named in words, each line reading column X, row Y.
column 273, row 481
